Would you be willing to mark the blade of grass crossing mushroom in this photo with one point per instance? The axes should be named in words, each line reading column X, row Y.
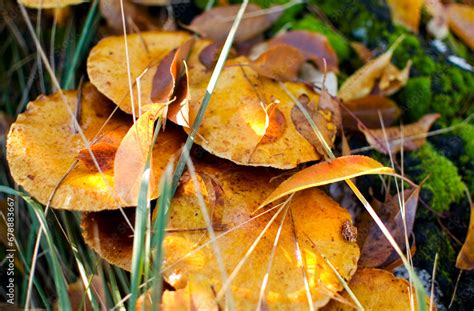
column 142, row 211
column 215, row 247
column 263, row 287
column 419, row 286
column 249, row 252
column 338, row 275
column 127, row 60
column 159, row 233
column 207, row 96
column 84, row 41
column 299, row 259
column 59, row 280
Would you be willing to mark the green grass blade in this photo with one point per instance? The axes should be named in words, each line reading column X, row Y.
column 207, row 96
column 59, row 281
column 84, row 41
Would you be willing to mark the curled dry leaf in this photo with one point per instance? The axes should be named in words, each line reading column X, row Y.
column 321, row 116
column 324, row 173
column 376, row 290
column 215, row 23
column 276, row 126
column 310, row 74
column 280, row 62
column 314, row 46
column 393, row 79
column 49, row 4
column 131, row 157
column 243, row 189
column 362, row 82
column 171, row 83
column 237, row 117
column 107, row 67
column 366, row 110
column 362, row 51
column 42, row 146
column 376, row 251
column 390, row 139
column 461, row 22
column 465, row 258
column 406, row 13
column 136, row 17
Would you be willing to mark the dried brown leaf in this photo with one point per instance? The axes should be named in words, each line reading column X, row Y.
column 280, row 62
column 362, row 82
column 376, row 250
column 366, row 110
column 215, row 23
column 465, row 258
column 314, row 46
column 136, row 18
column 390, row 139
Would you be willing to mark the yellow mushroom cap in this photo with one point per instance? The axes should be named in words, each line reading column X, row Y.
column 235, row 125
column 49, row 4
column 107, row 64
column 376, row 289
column 235, row 193
column 42, row 145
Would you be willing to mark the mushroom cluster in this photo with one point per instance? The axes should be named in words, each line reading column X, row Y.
column 76, row 150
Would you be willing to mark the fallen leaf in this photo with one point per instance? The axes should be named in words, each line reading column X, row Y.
column 324, row 118
column 136, row 18
column 461, row 22
column 171, row 80
column 366, row 110
column 131, row 157
column 376, row 250
column 280, row 62
column 390, row 139
column 314, row 46
column 236, row 118
column 215, row 23
column 376, row 290
column 152, row 2
column 42, row 146
column 406, row 13
column 209, row 55
column 324, row 173
column 107, row 66
column 362, row 82
column 393, row 79
column 49, row 4
column 465, row 260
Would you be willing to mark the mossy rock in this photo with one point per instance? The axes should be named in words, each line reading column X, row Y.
column 443, row 179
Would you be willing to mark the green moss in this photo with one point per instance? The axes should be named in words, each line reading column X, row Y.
column 339, row 43
column 466, row 132
column 416, row 97
column 444, row 181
